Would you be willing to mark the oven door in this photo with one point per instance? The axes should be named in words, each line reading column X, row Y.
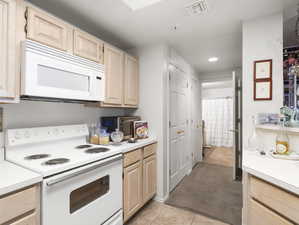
column 89, row 195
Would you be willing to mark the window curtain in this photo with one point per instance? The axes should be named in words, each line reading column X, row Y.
column 218, row 119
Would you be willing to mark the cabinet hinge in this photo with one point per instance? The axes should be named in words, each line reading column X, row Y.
column 169, row 123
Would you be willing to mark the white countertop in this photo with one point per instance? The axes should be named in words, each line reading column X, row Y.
column 283, row 173
column 13, row 177
column 127, row 147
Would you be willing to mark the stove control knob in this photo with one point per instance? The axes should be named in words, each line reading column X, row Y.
column 56, row 132
column 17, row 135
column 27, row 134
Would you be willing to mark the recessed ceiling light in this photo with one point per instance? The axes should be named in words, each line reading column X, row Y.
column 139, row 4
column 213, row 59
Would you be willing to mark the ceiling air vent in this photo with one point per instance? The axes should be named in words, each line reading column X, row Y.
column 197, row 7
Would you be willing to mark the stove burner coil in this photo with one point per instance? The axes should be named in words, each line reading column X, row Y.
column 97, row 150
column 83, row 146
column 37, row 156
column 56, row 161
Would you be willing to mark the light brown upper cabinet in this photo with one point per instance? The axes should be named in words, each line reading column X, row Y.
column 131, row 83
column 114, row 67
column 88, row 46
column 122, row 78
column 8, row 51
column 48, row 30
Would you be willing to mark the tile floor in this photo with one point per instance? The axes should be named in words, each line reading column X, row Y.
column 155, row 213
column 219, row 156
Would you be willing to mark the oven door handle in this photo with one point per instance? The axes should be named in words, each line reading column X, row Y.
column 72, row 175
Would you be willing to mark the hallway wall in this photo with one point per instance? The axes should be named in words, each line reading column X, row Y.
column 262, row 39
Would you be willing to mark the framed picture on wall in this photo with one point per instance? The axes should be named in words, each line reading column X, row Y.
column 262, row 90
column 263, row 69
column 263, row 80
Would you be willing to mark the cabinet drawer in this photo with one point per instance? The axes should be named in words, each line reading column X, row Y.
column 28, row 220
column 17, row 204
column 88, row 46
column 275, row 198
column 260, row 215
column 132, row 157
column 149, row 150
column 47, row 29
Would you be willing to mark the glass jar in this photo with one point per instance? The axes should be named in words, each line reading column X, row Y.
column 117, row 136
column 94, row 138
column 104, row 137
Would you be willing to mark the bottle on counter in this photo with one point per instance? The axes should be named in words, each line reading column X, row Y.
column 282, row 139
column 253, row 141
column 94, row 138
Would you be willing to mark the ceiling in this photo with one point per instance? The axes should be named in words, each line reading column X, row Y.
column 198, row 37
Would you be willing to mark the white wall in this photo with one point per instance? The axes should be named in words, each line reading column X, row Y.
column 210, row 93
column 153, row 107
column 262, row 39
column 32, row 114
column 216, row 76
column 153, row 68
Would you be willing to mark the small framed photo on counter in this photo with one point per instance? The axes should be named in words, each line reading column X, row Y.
column 262, row 80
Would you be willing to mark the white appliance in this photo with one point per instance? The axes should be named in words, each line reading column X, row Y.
column 82, row 183
column 48, row 73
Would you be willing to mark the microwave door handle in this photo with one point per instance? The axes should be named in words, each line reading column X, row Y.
column 72, row 175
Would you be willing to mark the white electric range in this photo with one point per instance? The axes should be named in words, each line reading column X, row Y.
column 82, row 182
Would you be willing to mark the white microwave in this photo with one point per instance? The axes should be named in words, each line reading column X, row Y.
column 50, row 74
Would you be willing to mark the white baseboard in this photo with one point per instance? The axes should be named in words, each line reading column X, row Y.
column 161, row 199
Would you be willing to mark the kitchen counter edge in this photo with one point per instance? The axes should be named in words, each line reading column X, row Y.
column 14, row 178
column 281, row 173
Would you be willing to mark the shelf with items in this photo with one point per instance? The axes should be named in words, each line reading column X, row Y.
column 275, row 128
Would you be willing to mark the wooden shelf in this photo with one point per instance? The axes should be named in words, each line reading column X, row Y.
column 276, row 128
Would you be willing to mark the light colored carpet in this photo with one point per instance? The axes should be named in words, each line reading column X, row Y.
column 210, row 190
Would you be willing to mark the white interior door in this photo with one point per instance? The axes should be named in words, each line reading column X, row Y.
column 179, row 151
column 195, row 123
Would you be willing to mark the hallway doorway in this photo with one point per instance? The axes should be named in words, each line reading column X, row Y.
column 219, row 156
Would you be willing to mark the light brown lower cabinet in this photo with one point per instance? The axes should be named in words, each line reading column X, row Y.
column 21, row 207
column 260, row 215
column 267, row 204
column 149, row 178
column 140, row 179
column 132, row 189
